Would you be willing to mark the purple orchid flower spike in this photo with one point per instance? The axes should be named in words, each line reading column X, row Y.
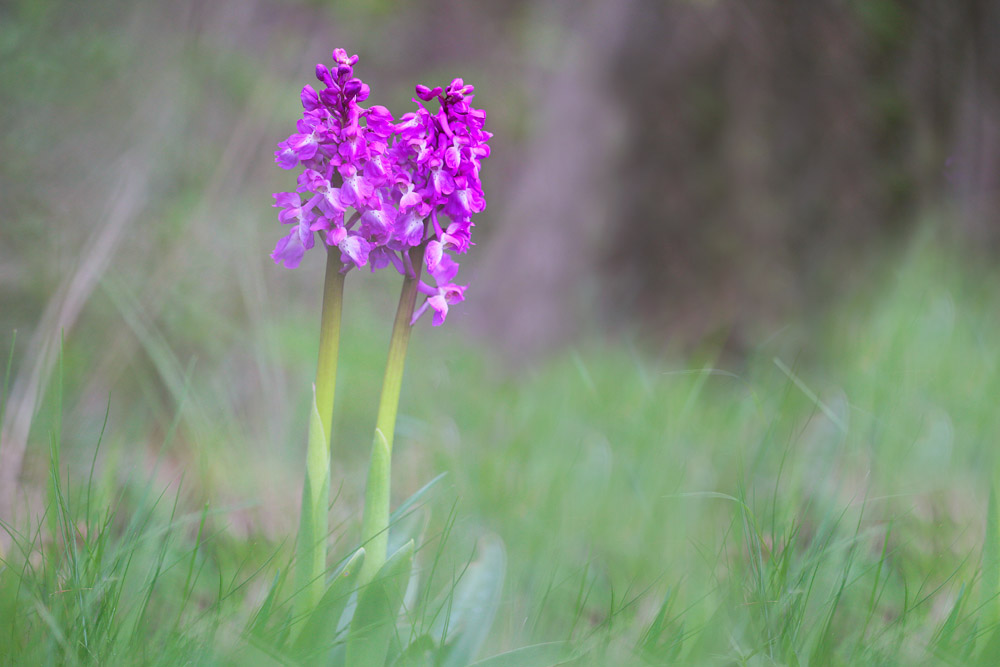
column 341, row 145
column 440, row 155
column 375, row 188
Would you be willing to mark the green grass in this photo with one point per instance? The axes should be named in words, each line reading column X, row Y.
column 775, row 511
column 833, row 512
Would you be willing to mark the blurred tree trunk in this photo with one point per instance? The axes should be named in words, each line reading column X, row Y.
column 540, row 269
column 710, row 168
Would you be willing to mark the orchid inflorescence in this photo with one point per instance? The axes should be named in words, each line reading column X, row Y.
column 375, row 188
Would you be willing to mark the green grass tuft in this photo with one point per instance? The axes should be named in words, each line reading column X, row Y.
column 829, row 507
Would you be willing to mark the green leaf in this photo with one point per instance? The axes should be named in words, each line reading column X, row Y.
column 320, row 629
column 260, row 620
column 992, row 647
column 536, row 655
column 991, row 562
column 412, row 500
column 420, row 653
column 946, row 633
column 375, row 520
column 663, row 639
column 374, row 624
column 310, row 557
column 410, row 527
column 318, row 456
column 476, row 598
column 409, row 521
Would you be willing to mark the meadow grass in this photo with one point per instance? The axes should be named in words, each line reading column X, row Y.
column 830, row 508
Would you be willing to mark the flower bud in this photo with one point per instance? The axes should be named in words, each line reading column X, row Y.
column 352, row 88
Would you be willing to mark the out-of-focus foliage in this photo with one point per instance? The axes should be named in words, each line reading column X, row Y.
column 773, row 150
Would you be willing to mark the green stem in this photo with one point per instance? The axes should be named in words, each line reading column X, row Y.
column 312, row 544
column 375, row 525
column 329, row 339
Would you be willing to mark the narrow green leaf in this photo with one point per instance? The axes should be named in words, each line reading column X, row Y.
column 374, row 622
column 410, row 527
column 416, row 497
column 420, row 653
column 311, row 548
column 6, row 384
column 536, row 655
column 946, row 633
column 991, row 562
column 990, row 648
column 476, row 598
column 839, row 421
column 318, row 454
column 664, row 637
column 375, row 520
column 263, row 615
column 321, row 628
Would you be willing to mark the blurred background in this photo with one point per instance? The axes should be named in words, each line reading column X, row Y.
column 669, row 180
column 685, row 169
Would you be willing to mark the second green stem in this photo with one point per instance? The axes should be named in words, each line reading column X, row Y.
column 375, row 524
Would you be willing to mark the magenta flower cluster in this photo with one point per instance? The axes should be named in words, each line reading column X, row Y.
column 375, row 188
